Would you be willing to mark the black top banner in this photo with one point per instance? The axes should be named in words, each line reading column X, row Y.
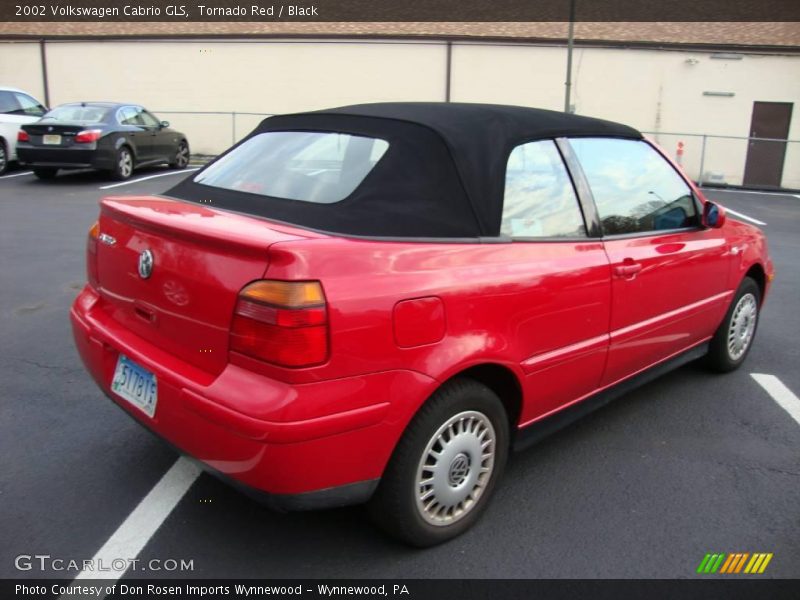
column 400, row 11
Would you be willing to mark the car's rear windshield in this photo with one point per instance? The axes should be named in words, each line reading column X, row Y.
column 310, row 166
column 341, row 174
column 76, row 112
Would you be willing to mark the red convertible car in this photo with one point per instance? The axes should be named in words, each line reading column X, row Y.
column 376, row 303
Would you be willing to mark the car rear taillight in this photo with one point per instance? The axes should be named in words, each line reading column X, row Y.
column 87, row 136
column 91, row 254
column 282, row 322
column 22, row 136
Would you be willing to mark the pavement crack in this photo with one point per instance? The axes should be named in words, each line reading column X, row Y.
column 40, row 365
column 29, row 308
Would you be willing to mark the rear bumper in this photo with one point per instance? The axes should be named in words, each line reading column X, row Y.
column 66, row 158
column 290, row 445
column 343, row 495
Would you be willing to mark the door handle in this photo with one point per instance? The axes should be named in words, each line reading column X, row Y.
column 627, row 270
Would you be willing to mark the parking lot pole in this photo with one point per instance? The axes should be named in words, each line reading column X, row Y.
column 702, row 161
column 570, row 43
column 448, row 71
column 45, row 83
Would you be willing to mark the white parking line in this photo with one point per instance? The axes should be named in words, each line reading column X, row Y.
column 113, row 185
column 741, row 216
column 17, row 175
column 780, row 393
column 130, row 537
column 729, row 191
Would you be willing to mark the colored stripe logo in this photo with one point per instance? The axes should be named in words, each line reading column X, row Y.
column 735, row 563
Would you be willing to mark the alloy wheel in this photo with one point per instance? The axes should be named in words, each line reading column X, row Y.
column 125, row 163
column 742, row 326
column 182, row 156
column 455, row 468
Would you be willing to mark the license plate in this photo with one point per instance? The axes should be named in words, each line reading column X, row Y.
column 51, row 139
column 135, row 384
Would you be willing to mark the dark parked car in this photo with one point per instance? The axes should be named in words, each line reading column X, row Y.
column 376, row 303
column 100, row 135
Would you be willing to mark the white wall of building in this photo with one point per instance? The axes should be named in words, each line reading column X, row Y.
column 658, row 91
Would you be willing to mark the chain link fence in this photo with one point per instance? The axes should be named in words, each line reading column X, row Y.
column 734, row 160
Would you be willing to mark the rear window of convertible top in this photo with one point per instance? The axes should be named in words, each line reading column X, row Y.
column 309, row 166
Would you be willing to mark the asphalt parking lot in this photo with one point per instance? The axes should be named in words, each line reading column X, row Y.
column 690, row 464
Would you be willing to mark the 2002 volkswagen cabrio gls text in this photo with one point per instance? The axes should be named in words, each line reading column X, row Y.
column 376, row 303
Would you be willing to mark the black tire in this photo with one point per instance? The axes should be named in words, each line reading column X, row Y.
column 181, row 158
column 123, row 164
column 395, row 507
column 728, row 347
column 3, row 157
column 45, row 173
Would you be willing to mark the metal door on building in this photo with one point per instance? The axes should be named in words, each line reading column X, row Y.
column 764, row 166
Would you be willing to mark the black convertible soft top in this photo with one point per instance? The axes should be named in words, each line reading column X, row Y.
column 442, row 177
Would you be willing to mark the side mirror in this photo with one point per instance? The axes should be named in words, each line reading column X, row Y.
column 713, row 215
column 164, row 124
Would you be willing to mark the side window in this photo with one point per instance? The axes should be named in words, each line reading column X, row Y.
column 539, row 200
column 635, row 189
column 9, row 104
column 29, row 106
column 127, row 116
column 148, row 120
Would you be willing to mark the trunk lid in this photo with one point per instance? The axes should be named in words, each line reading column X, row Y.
column 59, row 133
column 59, row 127
column 201, row 259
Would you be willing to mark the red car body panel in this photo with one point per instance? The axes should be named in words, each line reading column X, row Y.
column 565, row 319
column 552, row 313
column 676, row 299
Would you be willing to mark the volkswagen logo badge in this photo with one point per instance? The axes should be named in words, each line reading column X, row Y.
column 145, row 264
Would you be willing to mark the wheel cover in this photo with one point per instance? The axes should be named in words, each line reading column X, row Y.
column 742, row 326
column 182, row 156
column 125, row 163
column 455, row 468
column 2, row 156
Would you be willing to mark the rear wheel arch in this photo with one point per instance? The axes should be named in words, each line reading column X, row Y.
column 504, row 383
column 125, row 143
column 500, row 379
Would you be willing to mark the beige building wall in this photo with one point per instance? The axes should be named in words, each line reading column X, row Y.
column 21, row 67
column 657, row 91
column 509, row 74
column 249, row 77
